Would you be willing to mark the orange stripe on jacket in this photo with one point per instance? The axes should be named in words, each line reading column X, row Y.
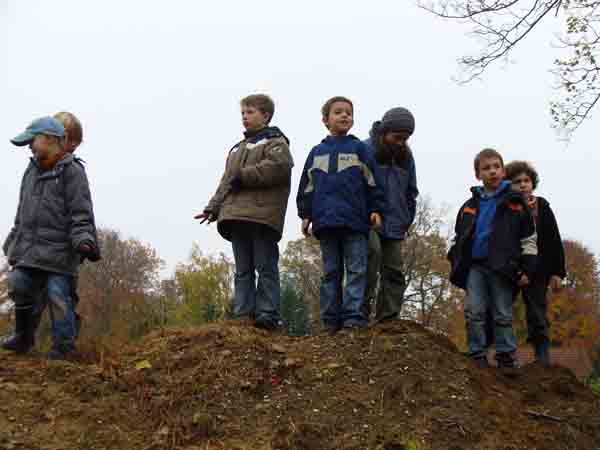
column 515, row 207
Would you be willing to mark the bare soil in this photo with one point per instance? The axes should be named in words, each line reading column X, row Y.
column 395, row 386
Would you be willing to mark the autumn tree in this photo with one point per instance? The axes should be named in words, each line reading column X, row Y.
column 428, row 298
column 3, row 287
column 118, row 292
column 301, row 263
column 501, row 25
column 4, row 300
column 574, row 313
column 295, row 312
column 202, row 289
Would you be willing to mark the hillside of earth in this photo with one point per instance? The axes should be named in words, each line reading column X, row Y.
column 395, row 386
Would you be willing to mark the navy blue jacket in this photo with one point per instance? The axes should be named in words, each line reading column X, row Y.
column 340, row 186
column 400, row 188
column 512, row 245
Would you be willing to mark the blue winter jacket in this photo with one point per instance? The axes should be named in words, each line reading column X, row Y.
column 400, row 187
column 340, row 186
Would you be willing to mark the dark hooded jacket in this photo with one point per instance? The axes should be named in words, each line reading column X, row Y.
column 551, row 254
column 399, row 179
column 54, row 217
column 512, row 243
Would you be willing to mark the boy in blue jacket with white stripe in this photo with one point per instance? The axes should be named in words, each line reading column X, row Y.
column 341, row 195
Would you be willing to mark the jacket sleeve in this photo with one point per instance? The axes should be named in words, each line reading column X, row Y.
column 223, row 189
column 306, row 189
column 412, row 191
column 529, row 250
column 374, row 180
column 455, row 237
column 79, row 206
column 557, row 251
column 274, row 170
column 13, row 231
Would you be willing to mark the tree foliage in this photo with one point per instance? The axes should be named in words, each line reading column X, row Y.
column 574, row 313
column 118, row 293
column 295, row 312
column 301, row 264
column 3, row 287
column 203, row 288
column 501, row 25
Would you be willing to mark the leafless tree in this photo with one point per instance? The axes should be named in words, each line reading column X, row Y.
column 501, row 25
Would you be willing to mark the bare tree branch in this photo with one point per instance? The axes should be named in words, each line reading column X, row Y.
column 502, row 25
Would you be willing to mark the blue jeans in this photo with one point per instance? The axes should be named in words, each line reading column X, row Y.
column 339, row 250
column 255, row 250
column 27, row 286
column 489, row 291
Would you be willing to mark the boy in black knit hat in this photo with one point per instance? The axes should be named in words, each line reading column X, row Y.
column 389, row 142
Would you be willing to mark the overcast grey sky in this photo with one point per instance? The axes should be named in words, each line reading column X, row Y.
column 157, row 85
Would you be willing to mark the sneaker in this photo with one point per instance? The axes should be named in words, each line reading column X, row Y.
column 508, row 365
column 482, row 362
column 265, row 324
column 59, row 355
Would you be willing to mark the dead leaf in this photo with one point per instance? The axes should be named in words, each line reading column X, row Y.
column 143, row 365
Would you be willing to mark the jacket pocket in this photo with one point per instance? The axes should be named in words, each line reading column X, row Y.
column 10, row 246
column 57, row 255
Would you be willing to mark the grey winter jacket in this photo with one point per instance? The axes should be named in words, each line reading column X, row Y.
column 54, row 217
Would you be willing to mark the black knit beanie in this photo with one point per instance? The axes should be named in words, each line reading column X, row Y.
column 397, row 120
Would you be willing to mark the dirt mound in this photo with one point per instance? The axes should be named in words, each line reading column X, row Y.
column 229, row 386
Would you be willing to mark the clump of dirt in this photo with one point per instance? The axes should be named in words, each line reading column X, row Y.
column 395, row 386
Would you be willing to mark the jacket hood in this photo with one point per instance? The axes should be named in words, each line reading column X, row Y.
column 265, row 133
column 502, row 189
column 333, row 139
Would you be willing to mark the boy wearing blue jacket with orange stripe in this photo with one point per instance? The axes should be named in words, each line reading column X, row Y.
column 341, row 194
column 494, row 251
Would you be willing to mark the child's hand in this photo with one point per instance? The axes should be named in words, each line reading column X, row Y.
column 555, row 283
column 206, row 216
column 306, row 227
column 523, row 281
column 375, row 220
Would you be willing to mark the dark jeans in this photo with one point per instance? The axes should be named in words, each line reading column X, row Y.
column 256, row 250
column 534, row 297
column 489, row 292
column 27, row 286
column 42, row 303
column 339, row 250
column 385, row 263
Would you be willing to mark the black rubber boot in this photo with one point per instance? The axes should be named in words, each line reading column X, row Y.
column 24, row 330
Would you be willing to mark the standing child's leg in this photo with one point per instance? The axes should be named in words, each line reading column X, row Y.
column 355, row 247
column 534, row 297
column 62, row 314
column 11, row 341
column 373, row 270
column 244, row 293
column 23, row 285
column 477, row 302
column 503, row 292
column 393, row 284
column 268, row 290
column 332, row 255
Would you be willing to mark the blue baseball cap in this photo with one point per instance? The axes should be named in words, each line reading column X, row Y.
column 44, row 125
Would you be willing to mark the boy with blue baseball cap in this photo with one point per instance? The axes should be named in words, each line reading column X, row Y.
column 54, row 230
